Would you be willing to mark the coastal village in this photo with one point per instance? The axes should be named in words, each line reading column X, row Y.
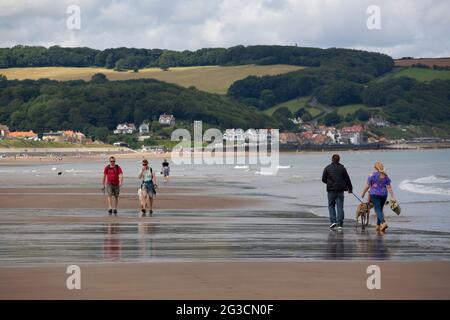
column 307, row 135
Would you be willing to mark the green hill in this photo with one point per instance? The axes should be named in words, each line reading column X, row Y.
column 423, row 74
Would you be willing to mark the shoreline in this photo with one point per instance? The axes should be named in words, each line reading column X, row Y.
column 51, row 157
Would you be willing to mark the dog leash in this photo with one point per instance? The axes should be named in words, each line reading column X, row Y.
column 357, row 197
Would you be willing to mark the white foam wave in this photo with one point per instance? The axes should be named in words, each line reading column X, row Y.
column 432, row 179
column 284, row 167
column 265, row 173
column 413, row 186
column 240, row 167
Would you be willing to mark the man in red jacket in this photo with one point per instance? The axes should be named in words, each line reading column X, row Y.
column 112, row 181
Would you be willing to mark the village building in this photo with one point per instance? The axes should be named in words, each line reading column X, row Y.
column 74, row 137
column 377, row 121
column 144, row 129
column 167, row 119
column 53, row 136
column 125, row 128
column 4, row 130
column 28, row 135
column 352, row 135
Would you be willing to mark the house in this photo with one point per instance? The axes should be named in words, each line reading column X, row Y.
column 4, row 130
column 288, row 138
column 144, row 129
column 53, row 136
column 352, row 135
column 377, row 121
column 28, row 135
column 156, row 148
column 74, row 136
column 125, row 128
column 234, row 134
column 167, row 119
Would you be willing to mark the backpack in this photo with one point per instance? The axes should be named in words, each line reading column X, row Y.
column 116, row 167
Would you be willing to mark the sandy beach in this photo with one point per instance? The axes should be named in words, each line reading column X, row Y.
column 231, row 280
column 213, row 236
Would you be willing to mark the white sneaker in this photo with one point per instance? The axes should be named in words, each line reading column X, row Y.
column 333, row 225
column 340, row 227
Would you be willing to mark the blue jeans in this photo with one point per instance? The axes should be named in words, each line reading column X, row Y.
column 378, row 204
column 336, row 199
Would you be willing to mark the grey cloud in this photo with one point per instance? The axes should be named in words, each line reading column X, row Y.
column 417, row 28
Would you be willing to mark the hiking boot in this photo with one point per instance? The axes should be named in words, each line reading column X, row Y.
column 110, row 212
column 115, row 212
column 383, row 226
column 333, row 225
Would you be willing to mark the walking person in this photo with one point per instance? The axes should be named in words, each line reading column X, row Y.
column 112, row 181
column 337, row 180
column 379, row 184
column 166, row 170
column 148, row 187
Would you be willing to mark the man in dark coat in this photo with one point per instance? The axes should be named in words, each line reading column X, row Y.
column 337, row 180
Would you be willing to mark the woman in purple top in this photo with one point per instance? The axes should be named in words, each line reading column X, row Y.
column 378, row 184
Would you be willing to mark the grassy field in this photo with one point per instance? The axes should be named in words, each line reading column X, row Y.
column 294, row 105
column 214, row 79
column 422, row 74
column 350, row 108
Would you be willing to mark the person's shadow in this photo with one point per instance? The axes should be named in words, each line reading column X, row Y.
column 335, row 245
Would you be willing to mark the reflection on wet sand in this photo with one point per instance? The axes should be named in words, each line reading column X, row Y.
column 335, row 245
column 194, row 236
column 112, row 247
column 147, row 245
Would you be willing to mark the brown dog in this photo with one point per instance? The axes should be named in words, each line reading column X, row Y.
column 363, row 211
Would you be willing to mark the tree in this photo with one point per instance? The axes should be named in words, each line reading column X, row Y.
column 99, row 78
column 332, row 119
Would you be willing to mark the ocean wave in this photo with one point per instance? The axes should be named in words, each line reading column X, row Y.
column 265, row 173
column 423, row 187
column 284, row 167
column 432, row 180
column 240, row 167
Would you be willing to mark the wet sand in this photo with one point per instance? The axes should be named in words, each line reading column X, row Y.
column 231, row 280
column 166, row 198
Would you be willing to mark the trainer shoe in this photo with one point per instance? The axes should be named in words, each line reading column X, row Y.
column 333, row 225
column 110, row 212
column 115, row 212
column 340, row 227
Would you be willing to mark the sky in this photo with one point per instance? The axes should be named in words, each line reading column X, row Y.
column 418, row 28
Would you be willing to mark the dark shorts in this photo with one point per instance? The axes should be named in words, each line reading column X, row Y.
column 166, row 171
column 113, row 190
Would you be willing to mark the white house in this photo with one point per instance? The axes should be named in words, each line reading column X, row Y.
column 167, row 119
column 124, row 128
column 144, row 129
column 234, row 134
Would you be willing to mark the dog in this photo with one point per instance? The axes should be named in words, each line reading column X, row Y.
column 144, row 199
column 363, row 211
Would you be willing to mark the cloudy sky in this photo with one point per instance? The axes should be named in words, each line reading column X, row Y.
column 418, row 28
